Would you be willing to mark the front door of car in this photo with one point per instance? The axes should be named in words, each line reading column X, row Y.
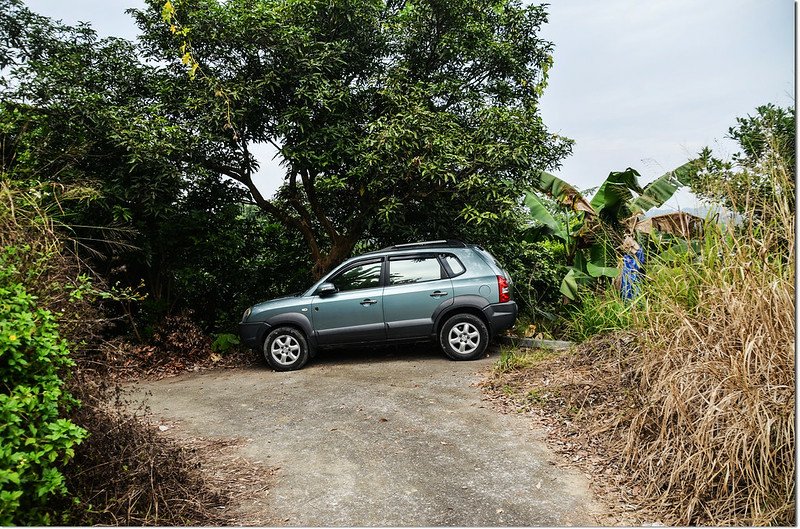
column 416, row 288
column 354, row 314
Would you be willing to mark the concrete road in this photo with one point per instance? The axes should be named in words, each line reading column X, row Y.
column 381, row 437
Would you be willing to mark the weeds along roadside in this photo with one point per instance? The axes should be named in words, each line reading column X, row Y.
column 714, row 438
column 120, row 473
column 691, row 391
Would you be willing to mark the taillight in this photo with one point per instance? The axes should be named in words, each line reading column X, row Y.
column 502, row 287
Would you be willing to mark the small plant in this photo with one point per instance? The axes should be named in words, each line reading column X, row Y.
column 35, row 440
column 537, row 397
column 512, row 358
column 224, row 342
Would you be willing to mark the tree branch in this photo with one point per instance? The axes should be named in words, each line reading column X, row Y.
column 311, row 194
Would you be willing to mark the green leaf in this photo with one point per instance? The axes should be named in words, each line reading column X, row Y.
column 540, row 214
column 569, row 285
column 615, row 194
column 602, row 254
column 657, row 192
column 598, row 271
column 563, row 193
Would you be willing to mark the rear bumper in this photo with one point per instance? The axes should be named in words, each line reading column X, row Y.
column 252, row 334
column 501, row 316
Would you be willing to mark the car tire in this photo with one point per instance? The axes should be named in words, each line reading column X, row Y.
column 285, row 349
column 464, row 337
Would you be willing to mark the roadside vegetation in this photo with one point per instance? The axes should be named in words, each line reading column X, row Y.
column 133, row 239
column 688, row 389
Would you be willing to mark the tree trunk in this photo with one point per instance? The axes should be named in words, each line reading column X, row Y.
column 341, row 250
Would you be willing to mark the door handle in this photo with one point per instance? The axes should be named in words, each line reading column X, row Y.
column 438, row 294
column 369, row 302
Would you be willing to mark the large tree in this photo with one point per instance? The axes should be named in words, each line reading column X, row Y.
column 376, row 107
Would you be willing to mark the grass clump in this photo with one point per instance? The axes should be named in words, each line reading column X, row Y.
column 598, row 313
column 512, row 358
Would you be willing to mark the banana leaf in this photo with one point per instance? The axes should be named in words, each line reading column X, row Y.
column 657, row 192
column 615, row 194
column 598, row 271
column 563, row 193
column 602, row 260
column 539, row 213
column 569, row 285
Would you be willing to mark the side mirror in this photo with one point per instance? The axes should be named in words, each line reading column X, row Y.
column 327, row 289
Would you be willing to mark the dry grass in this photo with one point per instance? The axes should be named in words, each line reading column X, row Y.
column 583, row 402
column 693, row 409
column 714, row 439
column 125, row 474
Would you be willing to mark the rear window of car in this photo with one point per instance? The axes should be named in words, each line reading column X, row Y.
column 454, row 264
column 404, row 271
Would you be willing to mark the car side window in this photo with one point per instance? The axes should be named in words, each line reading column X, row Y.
column 415, row 270
column 367, row 275
column 455, row 265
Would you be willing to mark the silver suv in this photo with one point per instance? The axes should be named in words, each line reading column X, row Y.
column 447, row 291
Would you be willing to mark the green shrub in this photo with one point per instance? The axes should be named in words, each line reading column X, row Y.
column 537, row 269
column 34, row 440
column 224, row 342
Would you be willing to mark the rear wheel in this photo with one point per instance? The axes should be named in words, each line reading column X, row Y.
column 286, row 349
column 464, row 337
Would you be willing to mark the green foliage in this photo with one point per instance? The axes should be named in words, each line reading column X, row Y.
column 591, row 231
column 612, row 200
column 79, row 112
column 744, row 183
column 219, row 255
column 225, row 342
column 537, row 269
column 34, row 440
column 377, row 109
column 598, row 313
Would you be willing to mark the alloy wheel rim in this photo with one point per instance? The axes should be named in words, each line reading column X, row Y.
column 285, row 349
column 464, row 338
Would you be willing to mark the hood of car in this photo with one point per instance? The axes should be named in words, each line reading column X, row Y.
column 265, row 308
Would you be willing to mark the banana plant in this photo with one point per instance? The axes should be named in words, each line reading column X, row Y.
column 593, row 229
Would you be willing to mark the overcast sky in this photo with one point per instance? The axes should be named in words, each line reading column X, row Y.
column 635, row 84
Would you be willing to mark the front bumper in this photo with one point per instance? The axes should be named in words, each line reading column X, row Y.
column 501, row 316
column 253, row 333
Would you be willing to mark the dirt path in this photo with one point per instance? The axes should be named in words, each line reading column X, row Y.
column 378, row 437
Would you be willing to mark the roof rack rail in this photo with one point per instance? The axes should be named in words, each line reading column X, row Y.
column 448, row 243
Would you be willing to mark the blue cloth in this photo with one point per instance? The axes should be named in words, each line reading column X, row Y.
column 632, row 266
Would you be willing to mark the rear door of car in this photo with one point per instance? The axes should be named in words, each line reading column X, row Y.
column 416, row 286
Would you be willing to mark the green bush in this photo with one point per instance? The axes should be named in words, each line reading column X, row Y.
column 34, row 440
column 224, row 342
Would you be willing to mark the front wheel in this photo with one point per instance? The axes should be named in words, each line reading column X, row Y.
column 286, row 349
column 464, row 337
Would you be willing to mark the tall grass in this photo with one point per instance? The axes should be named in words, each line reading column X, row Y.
column 714, row 439
column 598, row 313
